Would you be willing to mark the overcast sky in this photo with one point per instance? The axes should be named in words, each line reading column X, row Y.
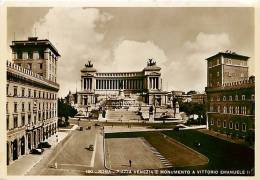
column 122, row 39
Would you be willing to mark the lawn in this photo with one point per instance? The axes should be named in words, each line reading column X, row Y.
column 176, row 153
column 221, row 154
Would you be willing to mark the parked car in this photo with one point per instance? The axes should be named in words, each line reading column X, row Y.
column 37, row 151
column 81, row 128
column 91, row 147
column 44, row 145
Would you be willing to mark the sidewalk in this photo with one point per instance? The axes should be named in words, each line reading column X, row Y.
column 24, row 164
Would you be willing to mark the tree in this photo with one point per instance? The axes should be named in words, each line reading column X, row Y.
column 191, row 108
column 65, row 110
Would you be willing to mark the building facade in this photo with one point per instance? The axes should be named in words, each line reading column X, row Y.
column 31, row 108
column 146, row 83
column 230, row 95
column 199, row 98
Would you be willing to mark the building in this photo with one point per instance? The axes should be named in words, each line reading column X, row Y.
column 31, row 108
column 230, row 95
column 100, row 85
column 199, row 98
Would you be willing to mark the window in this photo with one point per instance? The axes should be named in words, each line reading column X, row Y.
column 224, row 124
column 23, row 107
column 225, row 109
column 15, row 121
column 211, row 108
column 15, row 90
column 39, row 106
column 218, row 74
column 34, row 95
column 30, row 55
column 231, row 125
column 243, row 97
column 7, row 122
column 211, row 99
column 237, row 126
column 252, row 97
column 212, row 122
column 219, row 123
column 230, row 110
column 245, row 112
column 40, row 65
column 242, row 75
column 224, row 98
column 29, row 92
column 229, row 74
column 15, row 107
column 236, row 97
column 29, row 118
column 39, row 116
column 218, row 98
column 19, row 55
column 7, row 89
column 29, row 106
column 23, row 120
column 229, row 61
column 23, row 92
column 25, row 55
column 217, row 83
column 244, row 127
column 210, row 64
column 230, row 98
column 39, row 94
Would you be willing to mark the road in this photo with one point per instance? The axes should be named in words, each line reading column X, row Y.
column 72, row 156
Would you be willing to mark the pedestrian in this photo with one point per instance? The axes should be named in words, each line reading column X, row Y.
column 130, row 163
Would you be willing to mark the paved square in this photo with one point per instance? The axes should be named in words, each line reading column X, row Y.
column 120, row 150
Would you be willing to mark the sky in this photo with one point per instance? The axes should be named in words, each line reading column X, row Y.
column 118, row 39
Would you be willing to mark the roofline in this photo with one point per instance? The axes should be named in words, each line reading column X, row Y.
column 40, row 40
column 229, row 54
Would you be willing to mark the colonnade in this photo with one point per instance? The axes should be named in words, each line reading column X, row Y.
column 114, row 84
column 87, row 83
column 153, row 83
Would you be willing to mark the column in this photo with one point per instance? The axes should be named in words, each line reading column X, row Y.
column 82, row 85
column 151, row 83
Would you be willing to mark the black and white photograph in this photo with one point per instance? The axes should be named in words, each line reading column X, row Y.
column 130, row 91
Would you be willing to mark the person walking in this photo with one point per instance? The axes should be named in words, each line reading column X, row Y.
column 130, row 163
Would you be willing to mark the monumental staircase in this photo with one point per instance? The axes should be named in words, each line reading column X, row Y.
column 122, row 115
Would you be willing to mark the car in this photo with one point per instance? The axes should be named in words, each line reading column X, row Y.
column 91, row 147
column 37, row 151
column 97, row 124
column 44, row 145
column 81, row 128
